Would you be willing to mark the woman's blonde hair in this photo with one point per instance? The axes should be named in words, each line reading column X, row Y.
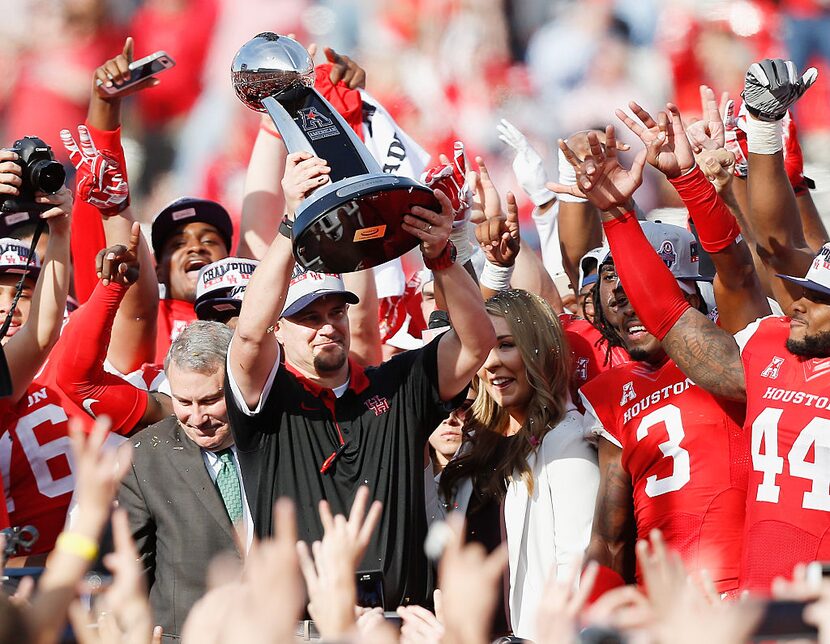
column 539, row 338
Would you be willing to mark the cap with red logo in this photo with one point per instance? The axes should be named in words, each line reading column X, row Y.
column 308, row 286
column 221, row 286
column 13, row 257
column 818, row 275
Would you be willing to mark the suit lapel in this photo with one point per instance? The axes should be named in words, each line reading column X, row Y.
column 188, row 463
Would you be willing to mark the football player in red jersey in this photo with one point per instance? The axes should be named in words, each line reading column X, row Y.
column 670, row 445
column 777, row 365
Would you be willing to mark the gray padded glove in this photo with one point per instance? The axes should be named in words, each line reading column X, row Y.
column 772, row 86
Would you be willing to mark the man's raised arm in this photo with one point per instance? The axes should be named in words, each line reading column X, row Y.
column 707, row 354
column 464, row 349
column 770, row 88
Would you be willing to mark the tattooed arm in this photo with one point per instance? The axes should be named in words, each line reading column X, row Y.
column 612, row 535
column 707, row 354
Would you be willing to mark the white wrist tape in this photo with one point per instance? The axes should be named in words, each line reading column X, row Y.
column 464, row 248
column 567, row 177
column 496, row 278
column 764, row 137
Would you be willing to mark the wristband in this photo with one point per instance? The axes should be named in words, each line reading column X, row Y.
column 764, row 137
column 496, row 278
column 444, row 260
column 76, row 544
column 567, row 177
column 286, row 227
column 464, row 247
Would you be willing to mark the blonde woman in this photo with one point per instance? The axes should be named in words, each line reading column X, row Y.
column 525, row 460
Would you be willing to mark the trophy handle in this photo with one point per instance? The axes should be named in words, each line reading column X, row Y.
column 291, row 135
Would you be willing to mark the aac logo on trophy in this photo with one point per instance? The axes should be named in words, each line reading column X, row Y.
column 354, row 222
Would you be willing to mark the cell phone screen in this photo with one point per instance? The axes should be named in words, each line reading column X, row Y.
column 784, row 619
column 370, row 589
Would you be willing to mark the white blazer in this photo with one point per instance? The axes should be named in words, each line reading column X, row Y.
column 552, row 527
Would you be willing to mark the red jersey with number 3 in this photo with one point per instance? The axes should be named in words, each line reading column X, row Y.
column 687, row 457
column 788, row 416
column 35, row 455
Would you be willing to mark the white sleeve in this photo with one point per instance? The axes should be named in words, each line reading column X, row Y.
column 547, row 225
column 743, row 336
column 573, row 475
column 239, row 399
column 592, row 426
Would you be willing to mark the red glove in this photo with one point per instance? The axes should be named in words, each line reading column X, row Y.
column 451, row 179
column 100, row 181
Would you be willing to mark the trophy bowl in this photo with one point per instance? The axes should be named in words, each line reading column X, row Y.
column 270, row 65
column 354, row 222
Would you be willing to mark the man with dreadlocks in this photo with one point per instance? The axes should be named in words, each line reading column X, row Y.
column 672, row 456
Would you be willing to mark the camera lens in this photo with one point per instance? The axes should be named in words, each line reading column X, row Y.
column 47, row 176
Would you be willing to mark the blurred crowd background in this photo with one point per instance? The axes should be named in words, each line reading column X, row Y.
column 445, row 69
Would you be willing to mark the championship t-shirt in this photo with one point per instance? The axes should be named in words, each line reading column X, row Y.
column 687, row 457
column 384, row 418
column 788, row 418
column 173, row 317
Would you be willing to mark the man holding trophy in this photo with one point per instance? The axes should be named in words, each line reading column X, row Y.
column 316, row 426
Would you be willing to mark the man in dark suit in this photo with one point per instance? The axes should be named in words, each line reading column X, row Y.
column 183, row 493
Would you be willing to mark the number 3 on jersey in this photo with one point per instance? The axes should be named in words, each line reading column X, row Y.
column 816, row 434
column 670, row 417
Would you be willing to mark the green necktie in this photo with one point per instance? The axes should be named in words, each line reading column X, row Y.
column 227, row 482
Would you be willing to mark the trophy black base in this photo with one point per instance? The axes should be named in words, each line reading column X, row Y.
column 355, row 223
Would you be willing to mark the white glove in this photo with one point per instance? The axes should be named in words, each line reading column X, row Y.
column 528, row 166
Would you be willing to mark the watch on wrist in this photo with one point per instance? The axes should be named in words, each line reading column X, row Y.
column 444, row 260
column 286, row 226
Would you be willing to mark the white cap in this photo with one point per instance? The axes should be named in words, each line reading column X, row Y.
column 221, row 286
column 13, row 257
column 818, row 275
column 308, row 286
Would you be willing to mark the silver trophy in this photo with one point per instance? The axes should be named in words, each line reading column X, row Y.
column 354, row 222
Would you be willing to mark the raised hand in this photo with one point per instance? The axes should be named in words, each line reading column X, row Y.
column 100, row 180
column 600, row 177
column 120, row 263
column 432, row 228
column 329, row 569
column 470, row 581
column 562, row 602
column 668, row 147
column 345, row 69
column 718, row 166
column 451, row 178
column 772, row 86
column 59, row 217
column 709, row 132
column 527, row 163
column 498, row 236
column 117, row 70
column 304, row 173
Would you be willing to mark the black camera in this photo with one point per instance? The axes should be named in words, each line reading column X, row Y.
column 41, row 173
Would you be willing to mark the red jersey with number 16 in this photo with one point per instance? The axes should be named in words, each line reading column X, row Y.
column 788, row 415
column 687, row 457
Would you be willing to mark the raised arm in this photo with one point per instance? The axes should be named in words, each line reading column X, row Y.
column 707, row 354
column 737, row 288
column 464, row 349
column 254, row 349
column 770, row 88
column 27, row 350
column 103, row 199
column 86, row 340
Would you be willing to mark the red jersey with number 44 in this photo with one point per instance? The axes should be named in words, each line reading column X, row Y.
column 788, row 415
column 687, row 457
